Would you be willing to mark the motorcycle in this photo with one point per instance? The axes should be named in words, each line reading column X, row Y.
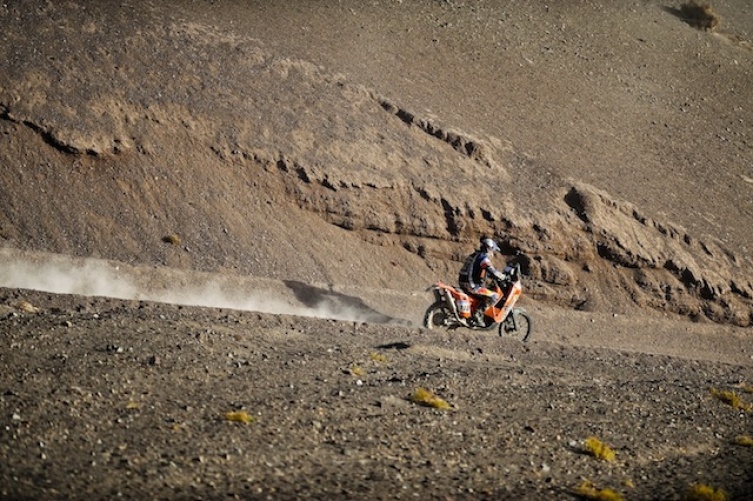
column 453, row 308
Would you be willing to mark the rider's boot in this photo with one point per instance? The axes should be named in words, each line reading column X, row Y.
column 478, row 317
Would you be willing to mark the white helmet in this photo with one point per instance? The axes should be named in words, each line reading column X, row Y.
column 489, row 245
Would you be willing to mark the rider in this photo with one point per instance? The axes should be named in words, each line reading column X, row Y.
column 478, row 266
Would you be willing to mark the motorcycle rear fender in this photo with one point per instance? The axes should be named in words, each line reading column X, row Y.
column 442, row 290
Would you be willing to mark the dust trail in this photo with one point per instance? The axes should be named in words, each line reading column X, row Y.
column 90, row 278
column 95, row 277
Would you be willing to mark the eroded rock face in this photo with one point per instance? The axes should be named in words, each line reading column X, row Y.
column 665, row 262
column 219, row 132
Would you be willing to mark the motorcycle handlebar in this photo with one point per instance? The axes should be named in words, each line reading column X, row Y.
column 513, row 275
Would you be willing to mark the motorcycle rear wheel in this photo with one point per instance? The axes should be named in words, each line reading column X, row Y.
column 517, row 325
column 438, row 315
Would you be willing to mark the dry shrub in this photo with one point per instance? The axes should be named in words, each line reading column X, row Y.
column 357, row 371
column 588, row 490
column 599, row 449
column 27, row 307
column 176, row 427
column 379, row 358
column 173, row 239
column 745, row 440
column 424, row 397
column 701, row 492
column 731, row 398
column 746, row 387
column 700, row 15
column 239, row 417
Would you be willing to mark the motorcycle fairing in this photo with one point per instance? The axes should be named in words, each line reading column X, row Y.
column 507, row 302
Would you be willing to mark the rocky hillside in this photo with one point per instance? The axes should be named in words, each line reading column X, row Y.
column 184, row 138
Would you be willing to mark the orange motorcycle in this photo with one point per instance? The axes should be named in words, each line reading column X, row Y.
column 454, row 308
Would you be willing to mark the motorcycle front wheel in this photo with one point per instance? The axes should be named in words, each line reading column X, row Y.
column 517, row 325
column 438, row 315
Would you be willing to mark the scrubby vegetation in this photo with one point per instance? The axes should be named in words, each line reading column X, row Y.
column 746, row 387
column 239, row 417
column 745, row 440
column 379, row 358
column 599, row 449
column 27, row 307
column 424, row 397
column 731, row 398
column 700, row 15
column 587, row 490
column 702, row 492
column 172, row 239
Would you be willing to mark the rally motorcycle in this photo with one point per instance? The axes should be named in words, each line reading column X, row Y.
column 454, row 308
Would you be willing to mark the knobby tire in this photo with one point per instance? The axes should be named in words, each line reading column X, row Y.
column 438, row 308
column 521, row 329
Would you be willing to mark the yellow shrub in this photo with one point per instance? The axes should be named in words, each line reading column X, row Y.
column 745, row 440
column 424, row 397
column 589, row 491
column 378, row 357
column 599, row 449
column 701, row 492
column 731, row 398
column 239, row 417
column 172, row 239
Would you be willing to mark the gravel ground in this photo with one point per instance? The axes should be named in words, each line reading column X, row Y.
column 105, row 398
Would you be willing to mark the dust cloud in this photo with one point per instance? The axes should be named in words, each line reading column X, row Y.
column 60, row 274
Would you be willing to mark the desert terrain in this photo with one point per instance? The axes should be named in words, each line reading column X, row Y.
column 218, row 221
